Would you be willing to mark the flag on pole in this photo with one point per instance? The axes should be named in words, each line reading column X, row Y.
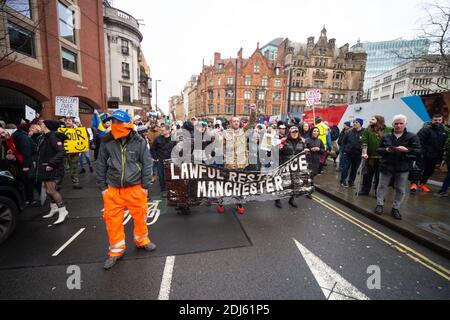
column 97, row 124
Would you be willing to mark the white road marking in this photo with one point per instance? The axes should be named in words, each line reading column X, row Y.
column 68, row 242
column 164, row 291
column 333, row 285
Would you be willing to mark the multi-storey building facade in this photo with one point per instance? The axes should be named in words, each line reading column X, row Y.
column 123, row 71
column 145, row 85
column 386, row 55
column 49, row 49
column 187, row 95
column 176, row 108
column 415, row 78
column 230, row 86
column 337, row 72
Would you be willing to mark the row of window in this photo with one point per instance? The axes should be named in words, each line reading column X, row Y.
column 422, row 81
column 247, row 82
column 229, row 109
column 22, row 40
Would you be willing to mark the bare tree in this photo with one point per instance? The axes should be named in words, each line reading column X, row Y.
column 435, row 28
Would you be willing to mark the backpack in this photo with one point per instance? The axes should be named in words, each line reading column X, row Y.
column 335, row 132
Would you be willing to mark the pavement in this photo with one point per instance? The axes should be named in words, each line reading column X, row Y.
column 426, row 219
column 320, row 251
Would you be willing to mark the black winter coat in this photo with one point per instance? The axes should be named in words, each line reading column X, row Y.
column 291, row 149
column 352, row 142
column 433, row 139
column 51, row 153
column 314, row 157
column 397, row 162
column 161, row 148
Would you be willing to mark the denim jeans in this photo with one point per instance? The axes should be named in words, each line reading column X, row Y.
column 446, row 184
column 352, row 164
column 88, row 159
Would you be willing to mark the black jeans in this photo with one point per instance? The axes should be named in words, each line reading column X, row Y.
column 161, row 177
column 429, row 166
column 372, row 175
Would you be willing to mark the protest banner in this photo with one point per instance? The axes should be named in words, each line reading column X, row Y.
column 191, row 184
column 67, row 106
column 78, row 140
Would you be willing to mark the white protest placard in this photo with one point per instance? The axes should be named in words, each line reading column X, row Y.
column 313, row 97
column 30, row 113
column 67, row 106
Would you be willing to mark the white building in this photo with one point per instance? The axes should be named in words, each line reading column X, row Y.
column 122, row 52
column 414, row 78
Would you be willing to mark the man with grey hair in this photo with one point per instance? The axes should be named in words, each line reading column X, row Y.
column 397, row 149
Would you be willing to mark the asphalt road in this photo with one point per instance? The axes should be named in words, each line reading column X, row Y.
column 319, row 251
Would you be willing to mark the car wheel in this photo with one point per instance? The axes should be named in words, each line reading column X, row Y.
column 8, row 218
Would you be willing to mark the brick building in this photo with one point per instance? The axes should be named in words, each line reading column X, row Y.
column 337, row 72
column 259, row 80
column 49, row 49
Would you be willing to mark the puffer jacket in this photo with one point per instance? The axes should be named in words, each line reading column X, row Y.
column 432, row 139
column 236, row 150
column 397, row 162
column 51, row 153
column 122, row 165
column 291, row 149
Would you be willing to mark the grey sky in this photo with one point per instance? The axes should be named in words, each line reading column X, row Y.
column 179, row 34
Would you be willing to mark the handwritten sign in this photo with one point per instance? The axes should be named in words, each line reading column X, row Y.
column 30, row 113
column 313, row 97
column 77, row 141
column 67, row 106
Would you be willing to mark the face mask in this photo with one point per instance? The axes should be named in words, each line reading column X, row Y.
column 120, row 131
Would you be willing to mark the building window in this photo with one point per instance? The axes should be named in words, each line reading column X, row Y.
column 338, row 76
column 276, row 109
column 211, row 108
column 125, row 70
column 300, row 73
column 21, row 40
column 125, row 47
column 69, row 60
column 248, row 80
column 126, row 94
column 386, row 88
column 256, row 67
column 22, row 6
column 229, row 109
column 230, row 80
column 401, row 73
column 229, row 94
column 219, row 81
column 277, row 83
column 246, row 109
column 319, row 84
column 265, row 82
column 261, row 95
column 247, row 95
column 218, row 108
column 66, row 22
column 276, row 96
column 387, row 79
column 277, row 71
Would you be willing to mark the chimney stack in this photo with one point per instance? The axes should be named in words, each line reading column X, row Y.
column 240, row 53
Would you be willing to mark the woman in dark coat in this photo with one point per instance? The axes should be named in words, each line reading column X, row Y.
column 315, row 148
column 50, row 167
column 305, row 131
column 293, row 146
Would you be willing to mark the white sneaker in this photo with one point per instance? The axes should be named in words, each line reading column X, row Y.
column 53, row 211
column 63, row 213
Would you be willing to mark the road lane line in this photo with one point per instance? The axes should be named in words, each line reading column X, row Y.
column 405, row 247
column 409, row 252
column 332, row 284
column 164, row 292
column 68, row 242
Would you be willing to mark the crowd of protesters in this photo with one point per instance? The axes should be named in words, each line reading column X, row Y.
column 383, row 156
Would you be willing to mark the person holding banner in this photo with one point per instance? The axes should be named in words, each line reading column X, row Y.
column 293, row 146
column 236, row 148
column 123, row 176
column 72, row 159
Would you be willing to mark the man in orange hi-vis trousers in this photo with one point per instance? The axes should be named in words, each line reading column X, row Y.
column 123, row 175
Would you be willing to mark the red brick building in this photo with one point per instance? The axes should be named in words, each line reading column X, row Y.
column 259, row 81
column 49, row 49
